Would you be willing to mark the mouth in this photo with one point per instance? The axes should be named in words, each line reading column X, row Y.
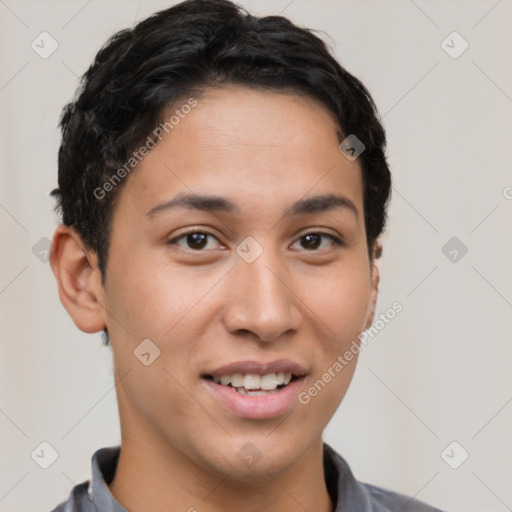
column 252, row 390
column 252, row 384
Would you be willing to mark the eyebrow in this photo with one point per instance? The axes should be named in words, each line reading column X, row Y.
column 309, row 205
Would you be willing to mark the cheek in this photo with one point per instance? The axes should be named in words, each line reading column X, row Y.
column 172, row 309
column 155, row 301
column 339, row 306
column 341, row 301
column 161, row 306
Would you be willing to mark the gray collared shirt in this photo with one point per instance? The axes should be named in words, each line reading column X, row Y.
column 346, row 492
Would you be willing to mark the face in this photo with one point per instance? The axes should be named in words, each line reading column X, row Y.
column 264, row 259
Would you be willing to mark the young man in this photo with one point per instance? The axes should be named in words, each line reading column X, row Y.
column 222, row 185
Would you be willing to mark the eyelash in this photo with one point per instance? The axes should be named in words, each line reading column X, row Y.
column 337, row 241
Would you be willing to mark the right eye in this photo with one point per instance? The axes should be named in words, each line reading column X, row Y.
column 193, row 240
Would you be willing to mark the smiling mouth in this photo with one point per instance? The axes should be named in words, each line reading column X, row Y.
column 253, row 384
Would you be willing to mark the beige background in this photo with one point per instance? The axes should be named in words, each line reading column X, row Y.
column 439, row 372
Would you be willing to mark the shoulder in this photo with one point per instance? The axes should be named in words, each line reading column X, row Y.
column 93, row 494
column 384, row 500
column 78, row 500
column 351, row 494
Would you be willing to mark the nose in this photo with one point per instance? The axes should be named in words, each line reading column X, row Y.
column 262, row 299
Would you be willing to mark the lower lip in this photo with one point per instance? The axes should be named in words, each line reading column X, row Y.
column 256, row 407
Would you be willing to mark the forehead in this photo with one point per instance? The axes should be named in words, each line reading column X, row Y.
column 246, row 143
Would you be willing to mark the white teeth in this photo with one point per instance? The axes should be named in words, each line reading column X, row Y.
column 269, row 381
column 250, row 392
column 283, row 378
column 262, row 393
column 252, row 381
column 237, row 380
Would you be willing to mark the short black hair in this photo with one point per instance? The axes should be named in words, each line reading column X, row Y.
column 180, row 52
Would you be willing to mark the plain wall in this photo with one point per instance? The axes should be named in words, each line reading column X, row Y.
column 439, row 372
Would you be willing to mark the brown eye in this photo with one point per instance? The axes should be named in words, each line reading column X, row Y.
column 197, row 240
column 312, row 241
column 194, row 240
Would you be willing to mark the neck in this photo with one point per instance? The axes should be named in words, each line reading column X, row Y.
column 150, row 476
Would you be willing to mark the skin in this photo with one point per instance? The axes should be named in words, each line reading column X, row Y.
column 206, row 307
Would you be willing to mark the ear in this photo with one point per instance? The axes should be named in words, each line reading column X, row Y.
column 375, row 277
column 78, row 278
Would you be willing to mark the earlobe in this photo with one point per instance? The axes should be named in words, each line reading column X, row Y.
column 375, row 278
column 78, row 279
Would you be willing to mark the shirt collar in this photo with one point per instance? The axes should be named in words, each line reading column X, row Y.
column 104, row 465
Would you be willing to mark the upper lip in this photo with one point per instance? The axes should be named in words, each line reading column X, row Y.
column 255, row 367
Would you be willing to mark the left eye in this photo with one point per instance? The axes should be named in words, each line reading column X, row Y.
column 199, row 240
column 312, row 241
